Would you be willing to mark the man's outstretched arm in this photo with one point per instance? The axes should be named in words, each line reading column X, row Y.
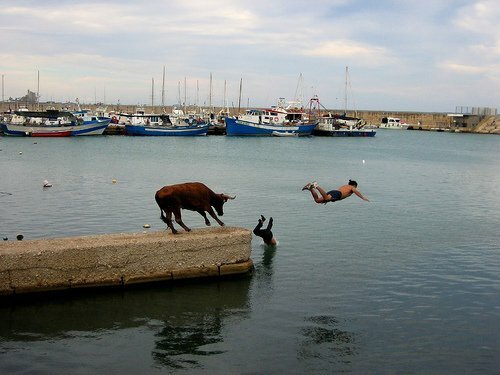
column 359, row 194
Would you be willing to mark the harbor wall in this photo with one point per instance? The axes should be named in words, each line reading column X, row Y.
column 122, row 259
column 428, row 120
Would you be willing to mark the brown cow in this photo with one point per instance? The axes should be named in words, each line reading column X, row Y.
column 193, row 196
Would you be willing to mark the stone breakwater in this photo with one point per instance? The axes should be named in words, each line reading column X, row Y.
column 122, row 259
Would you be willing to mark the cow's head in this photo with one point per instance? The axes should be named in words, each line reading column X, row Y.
column 219, row 201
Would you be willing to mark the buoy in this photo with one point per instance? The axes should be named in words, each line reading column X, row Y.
column 46, row 183
column 146, row 226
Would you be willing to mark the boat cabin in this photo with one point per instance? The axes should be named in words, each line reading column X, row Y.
column 263, row 116
column 392, row 123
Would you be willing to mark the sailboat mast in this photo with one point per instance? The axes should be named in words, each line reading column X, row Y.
column 210, row 94
column 239, row 99
column 179, row 93
column 152, row 93
column 38, row 91
column 198, row 95
column 163, row 90
column 225, row 98
column 345, row 90
column 185, row 94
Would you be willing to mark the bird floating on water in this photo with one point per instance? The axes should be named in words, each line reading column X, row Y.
column 46, row 184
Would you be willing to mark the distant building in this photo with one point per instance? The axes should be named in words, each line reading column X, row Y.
column 470, row 117
column 29, row 98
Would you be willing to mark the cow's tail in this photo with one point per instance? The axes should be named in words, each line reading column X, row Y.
column 162, row 216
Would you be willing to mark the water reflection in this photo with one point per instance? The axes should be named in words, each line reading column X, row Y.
column 176, row 341
column 180, row 319
column 323, row 334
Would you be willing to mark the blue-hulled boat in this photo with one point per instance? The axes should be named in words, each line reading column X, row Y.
column 174, row 124
column 165, row 130
column 52, row 123
column 242, row 127
column 289, row 119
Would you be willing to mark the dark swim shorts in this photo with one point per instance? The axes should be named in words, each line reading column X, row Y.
column 336, row 195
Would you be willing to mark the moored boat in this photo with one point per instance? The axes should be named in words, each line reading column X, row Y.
column 331, row 126
column 175, row 124
column 248, row 128
column 392, row 123
column 271, row 121
column 285, row 134
column 165, row 130
column 52, row 123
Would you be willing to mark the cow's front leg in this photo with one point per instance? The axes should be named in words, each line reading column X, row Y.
column 178, row 219
column 212, row 213
column 202, row 213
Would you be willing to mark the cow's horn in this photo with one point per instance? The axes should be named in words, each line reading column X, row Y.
column 227, row 196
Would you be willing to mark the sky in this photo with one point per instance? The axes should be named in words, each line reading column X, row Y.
column 406, row 55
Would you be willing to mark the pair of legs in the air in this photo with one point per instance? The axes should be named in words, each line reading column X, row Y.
column 266, row 234
column 323, row 196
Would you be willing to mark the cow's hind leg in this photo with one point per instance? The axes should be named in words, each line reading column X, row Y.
column 167, row 219
column 178, row 219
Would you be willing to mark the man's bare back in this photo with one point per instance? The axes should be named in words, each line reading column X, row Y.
column 347, row 191
column 342, row 192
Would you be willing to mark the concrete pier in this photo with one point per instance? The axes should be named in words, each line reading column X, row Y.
column 122, row 259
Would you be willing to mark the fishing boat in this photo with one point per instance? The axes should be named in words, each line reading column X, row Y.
column 52, row 123
column 165, row 130
column 333, row 126
column 271, row 121
column 176, row 124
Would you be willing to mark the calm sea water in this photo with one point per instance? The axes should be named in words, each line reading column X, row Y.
column 406, row 283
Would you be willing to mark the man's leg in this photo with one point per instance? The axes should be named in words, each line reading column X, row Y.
column 323, row 193
column 317, row 198
column 270, row 224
